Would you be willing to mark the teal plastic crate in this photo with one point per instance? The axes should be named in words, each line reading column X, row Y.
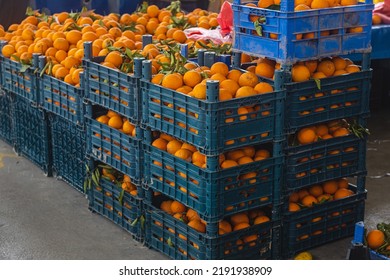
column 15, row 78
column 61, row 98
column 280, row 31
column 322, row 223
column 6, row 115
column 210, row 125
column 213, row 193
column 69, row 151
column 111, row 88
column 324, row 160
column 113, row 147
column 119, row 207
column 32, row 134
column 178, row 241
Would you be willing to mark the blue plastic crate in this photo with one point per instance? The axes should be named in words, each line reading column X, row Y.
column 114, row 148
column 338, row 97
column 210, row 125
column 6, row 115
column 111, row 88
column 68, row 151
column 322, row 223
column 62, row 99
column 12, row 79
column 32, row 134
column 279, row 31
column 212, row 194
column 178, row 241
column 324, row 160
column 118, row 206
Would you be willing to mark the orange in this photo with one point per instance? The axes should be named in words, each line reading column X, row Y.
column 248, row 79
column 115, row 122
column 228, row 164
column 219, row 77
column 327, row 67
column 306, row 136
column 61, row 44
column 263, row 87
column 192, row 215
column 324, row 197
column 239, row 218
column 219, row 67
column 225, row 94
column 8, row 50
column 300, row 73
column 343, row 183
column 245, row 91
column 316, row 190
column 103, row 119
column 225, row 226
column 184, row 154
column 376, row 19
column 166, row 206
column 265, row 3
column 339, row 63
column 172, row 81
column 173, row 146
column 244, row 160
column 192, row 78
column 375, row 239
column 292, row 207
column 318, row 75
column 199, row 91
column 322, row 130
column 115, row 58
column 348, row 2
column 197, row 225
column 309, row 200
column 177, row 207
column 230, row 85
column 235, row 155
column 330, row 187
column 352, row 68
column 311, row 65
column 198, row 157
column 128, row 127
column 179, row 36
column 264, row 69
column 341, row 193
column 241, row 226
column 260, row 220
column 153, row 11
column 342, row 131
column 234, row 74
column 319, row 4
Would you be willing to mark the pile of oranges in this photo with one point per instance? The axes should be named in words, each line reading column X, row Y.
column 233, row 223
column 114, row 176
column 309, row 4
column 233, row 83
column 114, row 120
column 320, row 193
column 311, row 69
column 229, row 159
column 314, row 133
column 379, row 240
column 60, row 37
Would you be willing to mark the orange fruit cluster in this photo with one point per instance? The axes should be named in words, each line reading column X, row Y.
column 320, row 193
column 60, row 37
column 185, row 214
column 304, row 71
column 114, row 176
column 114, row 120
column 233, row 83
column 323, row 131
column 189, row 153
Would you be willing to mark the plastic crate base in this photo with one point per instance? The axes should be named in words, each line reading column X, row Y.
column 32, row 135
column 6, row 123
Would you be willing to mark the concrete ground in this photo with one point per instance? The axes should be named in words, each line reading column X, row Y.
column 44, row 218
